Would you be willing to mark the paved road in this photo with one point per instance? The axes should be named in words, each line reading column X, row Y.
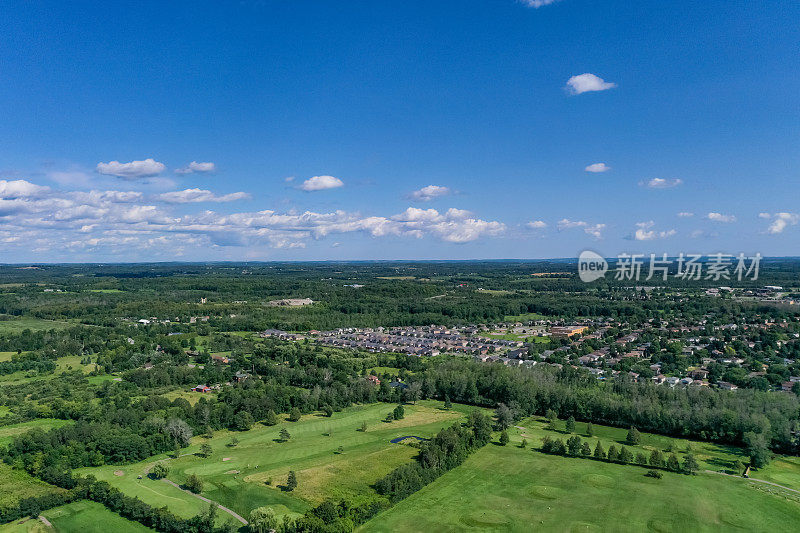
column 232, row 513
column 756, row 480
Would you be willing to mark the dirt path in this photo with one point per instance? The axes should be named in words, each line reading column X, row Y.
column 45, row 521
column 232, row 513
column 764, row 481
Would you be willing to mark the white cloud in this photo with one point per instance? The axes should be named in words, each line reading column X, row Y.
column 644, row 232
column 199, row 195
column 685, row 214
column 584, row 83
column 537, row 224
column 194, row 166
column 597, row 167
column 781, row 221
column 320, row 183
column 536, row 4
column 764, row 215
column 11, row 189
column 661, row 183
column 429, row 192
column 132, row 170
column 133, row 224
column 595, row 230
column 719, row 217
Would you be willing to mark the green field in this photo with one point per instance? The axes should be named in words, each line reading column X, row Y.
column 84, row 516
column 17, row 484
column 7, row 433
column 237, row 477
column 523, row 318
column 507, row 488
column 19, row 324
column 63, row 364
column 709, row 455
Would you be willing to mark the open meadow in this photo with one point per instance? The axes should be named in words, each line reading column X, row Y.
column 508, row 488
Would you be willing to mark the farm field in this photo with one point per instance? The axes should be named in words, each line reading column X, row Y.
column 507, row 488
column 251, row 474
column 84, row 516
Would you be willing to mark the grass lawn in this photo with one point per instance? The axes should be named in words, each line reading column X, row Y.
column 523, row 318
column 191, row 396
column 107, row 291
column 237, row 476
column 6, row 356
column 18, row 324
column 84, row 516
column 7, row 433
column 513, row 489
column 17, row 484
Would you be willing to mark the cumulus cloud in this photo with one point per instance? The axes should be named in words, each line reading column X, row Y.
column 644, row 232
column 320, row 183
column 685, row 214
column 719, row 217
column 199, row 195
column 133, row 170
column 780, row 221
column 119, row 222
column 594, row 230
column 597, row 167
column 584, row 83
column 430, row 192
column 536, row 4
column 194, row 166
column 11, row 189
column 661, row 183
column 537, row 224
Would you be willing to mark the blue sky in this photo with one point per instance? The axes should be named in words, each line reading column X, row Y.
column 397, row 130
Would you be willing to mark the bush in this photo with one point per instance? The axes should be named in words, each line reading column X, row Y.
column 654, row 474
column 160, row 470
column 193, row 484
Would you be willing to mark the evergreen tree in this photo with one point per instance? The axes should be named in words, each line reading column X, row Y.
column 447, row 403
column 570, row 426
column 291, row 481
column 295, row 414
column 599, row 452
column 690, row 465
column 586, row 449
column 284, row 435
column 633, row 436
column 672, row 463
column 574, row 445
column 271, row 419
column 589, row 430
column 613, row 455
column 503, row 438
column 656, row 459
column 625, row 455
